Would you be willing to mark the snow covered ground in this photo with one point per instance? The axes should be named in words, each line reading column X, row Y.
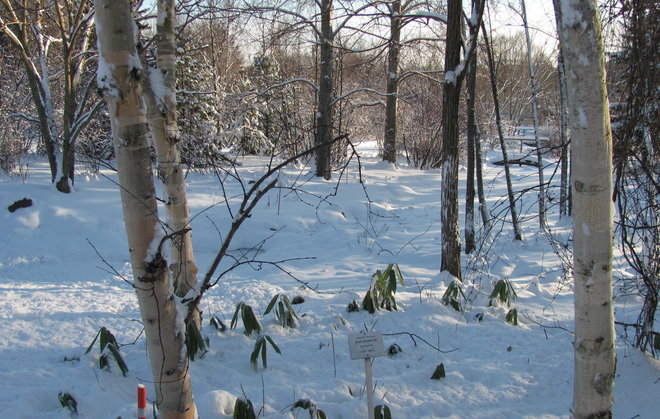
column 57, row 290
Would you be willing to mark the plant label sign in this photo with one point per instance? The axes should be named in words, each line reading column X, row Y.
column 366, row 345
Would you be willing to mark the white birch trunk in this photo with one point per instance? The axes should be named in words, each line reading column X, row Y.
column 160, row 97
column 591, row 143
column 120, row 80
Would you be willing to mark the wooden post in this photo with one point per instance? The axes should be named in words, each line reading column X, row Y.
column 370, row 388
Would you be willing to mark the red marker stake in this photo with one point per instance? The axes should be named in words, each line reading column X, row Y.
column 142, row 401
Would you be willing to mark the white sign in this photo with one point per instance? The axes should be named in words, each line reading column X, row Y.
column 366, row 345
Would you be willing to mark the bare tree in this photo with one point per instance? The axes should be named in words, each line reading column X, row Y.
column 393, row 48
column 29, row 29
column 454, row 74
column 591, row 142
column 535, row 117
column 324, row 112
column 500, row 133
column 473, row 152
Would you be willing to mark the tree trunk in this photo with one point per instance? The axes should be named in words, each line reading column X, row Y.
column 119, row 79
column 451, row 241
column 161, row 115
column 591, row 142
column 472, row 134
column 483, row 206
column 389, row 141
column 500, row 133
column 563, row 183
column 535, row 115
column 17, row 34
column 325, row 95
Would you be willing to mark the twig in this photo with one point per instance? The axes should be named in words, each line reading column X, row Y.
column 413, row 336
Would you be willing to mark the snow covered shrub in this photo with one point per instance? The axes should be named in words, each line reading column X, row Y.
column 382, row 412
column 503, row 293
column 68, row 401
column 108, row 346
column 439, row 372
column 248, row 317
column 382, row 289
column 306, row 404
column 353, row 306
column 260, row 348
column 454, row 296
column 394, row 349
column 217, row 324
column 512, row 316
column 243, row 409
column 284, row 313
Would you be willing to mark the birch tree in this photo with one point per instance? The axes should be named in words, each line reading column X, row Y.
column 119, row 78
column 160, row 97
column 591, row 142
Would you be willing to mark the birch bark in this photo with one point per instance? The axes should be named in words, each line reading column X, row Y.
column 120, row 80
column 160, row 97
column 591, row 143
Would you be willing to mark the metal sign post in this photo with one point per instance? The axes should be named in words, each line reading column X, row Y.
column 366, row 345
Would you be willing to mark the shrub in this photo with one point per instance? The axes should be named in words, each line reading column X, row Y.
column 286, row 316
column 382, row 412
column 382, row 289
column 454, row 296
column 194, row 342
column 108, row 346
column 503, row 293
column 314, row 412
column 243, row 409
column 248, row 317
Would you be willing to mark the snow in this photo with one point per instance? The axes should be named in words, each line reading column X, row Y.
column 571, row 15
column 430, row 15
column 56, row 292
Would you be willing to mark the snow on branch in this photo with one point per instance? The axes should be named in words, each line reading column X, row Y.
column 429, row 15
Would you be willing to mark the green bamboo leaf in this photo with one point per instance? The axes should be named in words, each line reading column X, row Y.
column 68, row 401
column 439, row 372
column 103, row 361
column 234, row 319
column 118, row 358
column 263, row 354
column 391, row 283
column 243, row 409
column 255, row 353
column 104, row 338
column 275, row 347
column 250, row 320
column 271, row 304
column 218, row 324
column 91, row 345
column 512, row 317
column 399, row 275
column 287, row 303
